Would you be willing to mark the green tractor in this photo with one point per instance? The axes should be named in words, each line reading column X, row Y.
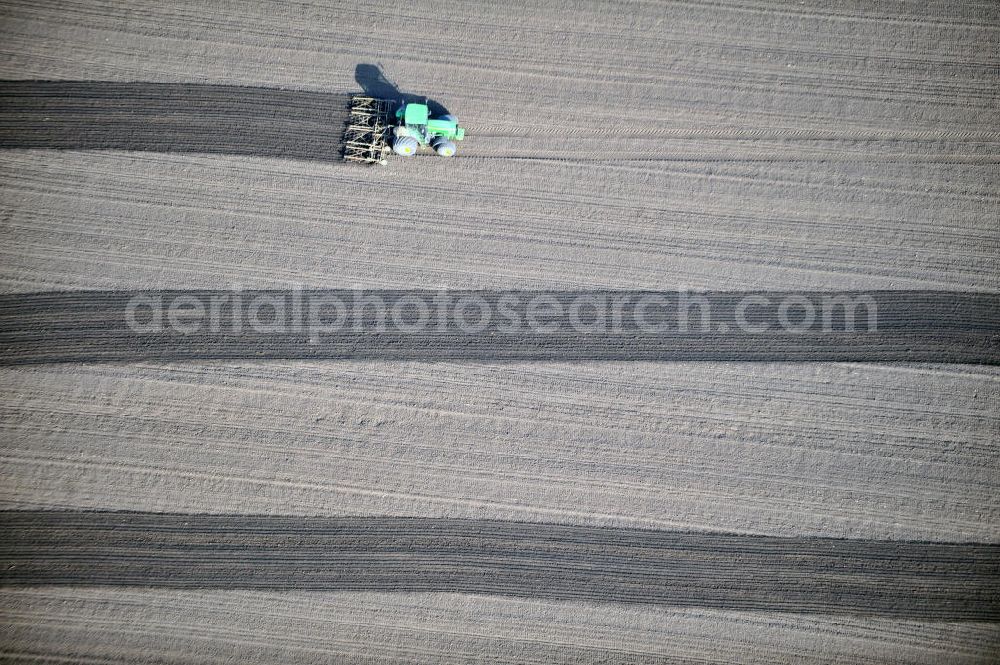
column 372, row 128
column 415, row 128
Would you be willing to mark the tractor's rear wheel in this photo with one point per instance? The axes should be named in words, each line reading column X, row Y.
column 405, row 146
column 444, row 148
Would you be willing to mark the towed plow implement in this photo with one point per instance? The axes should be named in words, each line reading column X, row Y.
column 368, row 126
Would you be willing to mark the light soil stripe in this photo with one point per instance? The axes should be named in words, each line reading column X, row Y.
column 313, row 627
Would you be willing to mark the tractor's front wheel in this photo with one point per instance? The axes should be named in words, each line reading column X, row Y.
column 405, row 146
column 445, row 148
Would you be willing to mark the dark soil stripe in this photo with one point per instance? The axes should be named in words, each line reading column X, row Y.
column 941, row 581
column 172, row 117
column 89, row 326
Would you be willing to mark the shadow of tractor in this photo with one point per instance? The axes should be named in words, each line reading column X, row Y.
column 375, row 84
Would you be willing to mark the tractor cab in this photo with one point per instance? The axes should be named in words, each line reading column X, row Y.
column 415, row 114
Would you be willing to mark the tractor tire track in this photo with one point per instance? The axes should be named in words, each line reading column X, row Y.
column 920, row 580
